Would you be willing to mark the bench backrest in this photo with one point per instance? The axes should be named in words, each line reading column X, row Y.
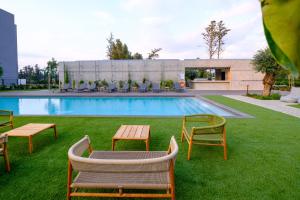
column 85, row 164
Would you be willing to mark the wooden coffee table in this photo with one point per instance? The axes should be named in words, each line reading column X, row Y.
column 132, row 132
column 29, row 130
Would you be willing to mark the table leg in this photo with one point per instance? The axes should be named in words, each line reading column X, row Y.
column 147, row 144
column 55, row 131
column 30, row 144
column 113, row 144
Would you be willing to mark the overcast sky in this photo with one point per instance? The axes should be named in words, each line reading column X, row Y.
column 77, row 29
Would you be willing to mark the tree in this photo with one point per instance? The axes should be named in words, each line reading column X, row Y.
column 109, row 46
column 154, row 53
column 221, row 33
column 211, row 38
column 264, row 62
column 51, row 71
column 137, row 56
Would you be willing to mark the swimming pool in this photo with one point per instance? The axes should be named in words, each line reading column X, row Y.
column 110, row 106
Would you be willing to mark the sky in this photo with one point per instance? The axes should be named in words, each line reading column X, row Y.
column 72, row 30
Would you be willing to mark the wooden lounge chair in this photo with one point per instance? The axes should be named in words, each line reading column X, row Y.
column 156, row 87
column 204, row 130
column 6, row 118
column 133, row 170
column 3, row 151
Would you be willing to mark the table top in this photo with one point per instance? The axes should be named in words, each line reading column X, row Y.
column 28, row 129
column 132, row 132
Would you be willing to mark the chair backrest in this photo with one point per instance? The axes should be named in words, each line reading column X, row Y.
column 126, row 86
column 155, row 164
column 176, row 85
column 155, row 86
column 6, row 115
column 208, row 124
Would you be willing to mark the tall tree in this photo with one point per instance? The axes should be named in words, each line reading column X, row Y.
column 154, row 53
column 221, row 33
column 264, row 62
column 211, row 38
column 51, row 71
column 110, row 45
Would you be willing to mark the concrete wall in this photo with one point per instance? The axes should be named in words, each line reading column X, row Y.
column 8, row 48
column 240, row 72
column 115, row 70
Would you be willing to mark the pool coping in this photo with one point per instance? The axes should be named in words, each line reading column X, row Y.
column 234, row 112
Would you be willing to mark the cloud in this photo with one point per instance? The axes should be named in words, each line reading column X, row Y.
column 155, row 20
column 104, row 17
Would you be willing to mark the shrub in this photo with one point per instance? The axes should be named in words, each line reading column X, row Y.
column 104, row 83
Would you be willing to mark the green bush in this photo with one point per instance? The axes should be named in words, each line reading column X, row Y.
column 274, row 96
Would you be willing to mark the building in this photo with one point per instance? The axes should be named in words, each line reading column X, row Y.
column 8, row 48
column 229, row 74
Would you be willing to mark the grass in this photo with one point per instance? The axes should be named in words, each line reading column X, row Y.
column 295, row 106
column 263, row 156
column 274, row 96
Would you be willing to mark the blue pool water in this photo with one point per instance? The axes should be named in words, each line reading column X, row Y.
column 109, row 106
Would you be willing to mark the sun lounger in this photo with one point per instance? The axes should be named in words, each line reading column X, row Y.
column 6, row 118
column 293, row 96
column 3, row 151
column 143, row 87
column 125, row 88
column 155, row 87
column 81, row 87
column 123, row 171
column 178, row 88
column 111, row 87
column 92, row 87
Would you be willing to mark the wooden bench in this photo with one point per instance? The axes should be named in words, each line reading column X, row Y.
column 29, row 130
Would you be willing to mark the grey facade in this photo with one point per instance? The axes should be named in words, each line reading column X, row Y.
column 8, row 48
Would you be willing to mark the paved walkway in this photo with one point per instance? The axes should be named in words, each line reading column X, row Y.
column 270, row 104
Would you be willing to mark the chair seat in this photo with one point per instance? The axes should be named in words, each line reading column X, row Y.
column 155, row 180
column 129, row 180
column 208, row 137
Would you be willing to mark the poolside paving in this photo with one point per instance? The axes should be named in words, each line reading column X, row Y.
column 275, row 105
column 187, row 93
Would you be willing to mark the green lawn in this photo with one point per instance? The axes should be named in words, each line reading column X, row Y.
column 296, row 106
column 263, row 156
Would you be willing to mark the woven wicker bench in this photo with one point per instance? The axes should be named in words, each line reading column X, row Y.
column 122, row 170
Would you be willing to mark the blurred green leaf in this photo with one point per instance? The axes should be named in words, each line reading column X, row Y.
column 281, row 19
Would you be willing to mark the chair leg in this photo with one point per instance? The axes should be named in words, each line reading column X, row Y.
column 182, row 136
column 225, row 152
column 189, row 151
